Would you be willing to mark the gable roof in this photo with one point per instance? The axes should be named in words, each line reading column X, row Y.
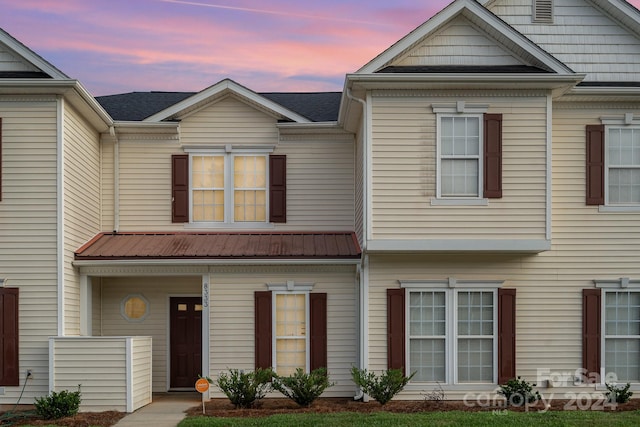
column 481, row 18
column 137, row 106
column 45, row 69
column 221, row 90
column 220, row 246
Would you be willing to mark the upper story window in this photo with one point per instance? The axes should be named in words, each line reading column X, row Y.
column 623, row 166
column 469, row 154
column 613, row 164
column 229, row 188
column 460, row 154
column 225, row 186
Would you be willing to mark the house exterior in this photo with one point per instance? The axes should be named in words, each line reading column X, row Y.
column 466, row 209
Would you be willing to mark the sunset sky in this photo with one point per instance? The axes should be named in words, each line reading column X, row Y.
column 116, row 46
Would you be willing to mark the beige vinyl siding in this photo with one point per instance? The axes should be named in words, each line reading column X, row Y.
column 156, row 325
column 145, row 185
column 9, row 61
column 99, row 365
column 458, row 43
column 228, row 121
column 28, row 224
column 232, row 330
column 320, row 184
column 359, row 189
column 141, row 361
column 107, row 183
column 587, row 245
column 320, row 174
column 404, row 171
column 582, row 36
column 81, row 204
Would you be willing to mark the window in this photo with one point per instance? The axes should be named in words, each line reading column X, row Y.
column 134, row 308
column 613, row 165
column 453, row 331
column 469, row 154
column 228, row 187
column 290, row 325
column 290, row 328
column 623, row 166
column 452, row 335
column 611, row 330
column 460, row 169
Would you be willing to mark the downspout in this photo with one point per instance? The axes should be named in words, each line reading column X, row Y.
column 116, row 179
column 364, row 265
column 60, row 113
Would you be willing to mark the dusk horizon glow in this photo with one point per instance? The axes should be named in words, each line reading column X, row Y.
column 121, row 46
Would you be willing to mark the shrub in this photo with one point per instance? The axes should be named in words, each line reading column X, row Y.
column 618, row 395
column 245, row 389
column 58, row 405
column 518, row 392
column 301, row 387
column 383, row 387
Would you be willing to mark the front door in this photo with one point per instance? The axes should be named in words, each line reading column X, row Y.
column 186, row 341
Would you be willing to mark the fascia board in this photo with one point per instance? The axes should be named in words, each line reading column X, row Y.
column 479, row 12
column 218, row 89
column 71, row 89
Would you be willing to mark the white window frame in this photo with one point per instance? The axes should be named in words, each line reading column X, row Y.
column 229, row 153
column 452, row 287
column 291, row 288
column 608, row 167
column 459, row 109
column 624, row 284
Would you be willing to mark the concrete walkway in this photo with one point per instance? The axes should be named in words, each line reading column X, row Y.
column 166, row 410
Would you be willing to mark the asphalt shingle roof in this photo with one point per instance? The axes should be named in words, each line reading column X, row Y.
column 137, row 106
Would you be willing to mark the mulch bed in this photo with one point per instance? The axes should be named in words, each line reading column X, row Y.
column 266, row 407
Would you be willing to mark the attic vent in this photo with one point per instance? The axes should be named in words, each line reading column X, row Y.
column 543, row 11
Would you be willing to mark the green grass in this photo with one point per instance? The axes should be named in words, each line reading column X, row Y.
column 448, row 418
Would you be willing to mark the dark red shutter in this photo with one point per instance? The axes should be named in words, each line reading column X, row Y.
column 318, row 336
column 9, row 337
column 263, row 329
column 595, row 165
column 180, row 188
column 591, row 309
column 278, row 188
column 506, row 335
column 395, row 329
column 492, row 156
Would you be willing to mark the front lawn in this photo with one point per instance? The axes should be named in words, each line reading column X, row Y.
column 444, row 418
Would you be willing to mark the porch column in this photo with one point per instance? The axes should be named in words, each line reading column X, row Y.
column 85, row 305
column 205, row 329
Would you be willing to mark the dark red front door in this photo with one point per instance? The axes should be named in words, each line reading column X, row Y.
column 186, row 341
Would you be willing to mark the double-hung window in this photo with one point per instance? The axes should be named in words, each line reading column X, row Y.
column 228, row 187
column 459, row 156
column 623, row 165
column 452, row 335
column 291, row 347
column 622, row 334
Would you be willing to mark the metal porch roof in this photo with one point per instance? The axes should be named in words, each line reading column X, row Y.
column 220, row 245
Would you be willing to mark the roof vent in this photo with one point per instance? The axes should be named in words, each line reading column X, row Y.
column 543, row 11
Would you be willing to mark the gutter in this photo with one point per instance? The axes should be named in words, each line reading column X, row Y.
column 364, row 267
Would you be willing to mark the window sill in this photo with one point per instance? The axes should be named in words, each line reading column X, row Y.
column 459, row 202
column 622, row 209
column 230, row 226
column 426, row 386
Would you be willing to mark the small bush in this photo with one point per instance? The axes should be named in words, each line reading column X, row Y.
column 245, row 389
column 58, row 405
column 618, row 395
column 382, row 388
column 301, row 387
column 436, row 395
column 518, row 392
